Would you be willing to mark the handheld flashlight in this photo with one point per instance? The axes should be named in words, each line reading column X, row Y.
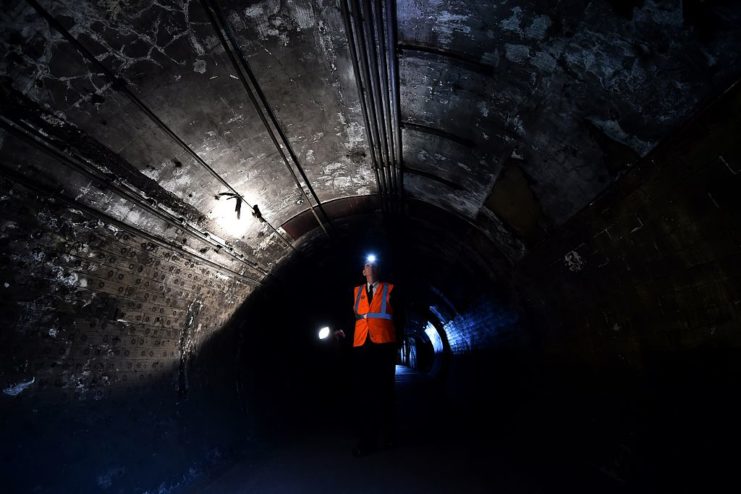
column 324, row 333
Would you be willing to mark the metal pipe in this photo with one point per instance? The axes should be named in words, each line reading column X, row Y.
column 370, row 83
column 363, row 106
column 392, row 28
column 378, row 59
column 372, row 60
column 368, row 95
column 381, row 14
column 390, row 83
column 360, row 39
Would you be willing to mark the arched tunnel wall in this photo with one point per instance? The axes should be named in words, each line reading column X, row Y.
column 145, row 358
column 139, row 362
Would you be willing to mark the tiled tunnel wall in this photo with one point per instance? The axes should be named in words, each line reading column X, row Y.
column 98, row 321
column 485, row 363
column 482, row 325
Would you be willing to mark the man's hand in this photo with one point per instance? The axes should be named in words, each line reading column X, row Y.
column 339, row 335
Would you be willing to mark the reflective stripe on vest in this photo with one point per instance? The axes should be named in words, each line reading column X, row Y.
column 373, row 315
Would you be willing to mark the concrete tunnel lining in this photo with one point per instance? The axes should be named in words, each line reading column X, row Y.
column 565, row 203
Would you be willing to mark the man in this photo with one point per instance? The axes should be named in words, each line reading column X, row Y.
column 375, row 344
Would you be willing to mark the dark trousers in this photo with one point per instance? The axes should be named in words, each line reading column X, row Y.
column 373, row 389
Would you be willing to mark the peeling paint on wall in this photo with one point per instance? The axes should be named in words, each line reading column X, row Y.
column 199, row 66
column 449, row 24
column 573, row 261
column 512, row 23
column 613, row 130
column 517, row 53
column 187, row 344
column 16, row 389
column 538, row 27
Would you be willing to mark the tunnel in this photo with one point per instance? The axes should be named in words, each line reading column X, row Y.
column 190, row 190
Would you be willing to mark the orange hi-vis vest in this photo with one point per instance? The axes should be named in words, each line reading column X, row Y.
column 375, row 321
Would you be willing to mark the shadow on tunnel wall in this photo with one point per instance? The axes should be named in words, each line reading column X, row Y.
column 148, row 438
column 633, row 308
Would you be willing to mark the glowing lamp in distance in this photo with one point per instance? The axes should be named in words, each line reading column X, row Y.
column 324, row 333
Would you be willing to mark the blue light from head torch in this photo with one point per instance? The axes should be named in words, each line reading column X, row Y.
column 371, row 259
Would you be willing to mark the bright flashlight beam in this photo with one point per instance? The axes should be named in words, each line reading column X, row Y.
column 324, row 332
column 371, row 258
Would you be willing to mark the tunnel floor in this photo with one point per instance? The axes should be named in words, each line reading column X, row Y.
column 439, row 451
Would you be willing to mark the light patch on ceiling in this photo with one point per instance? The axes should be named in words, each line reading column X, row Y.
column 223, row 214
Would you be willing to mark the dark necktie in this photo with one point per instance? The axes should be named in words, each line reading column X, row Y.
column 370, row 293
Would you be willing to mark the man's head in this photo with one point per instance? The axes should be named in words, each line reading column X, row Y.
column 370, row 271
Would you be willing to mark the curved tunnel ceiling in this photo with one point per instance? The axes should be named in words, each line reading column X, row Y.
column 513, row 115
